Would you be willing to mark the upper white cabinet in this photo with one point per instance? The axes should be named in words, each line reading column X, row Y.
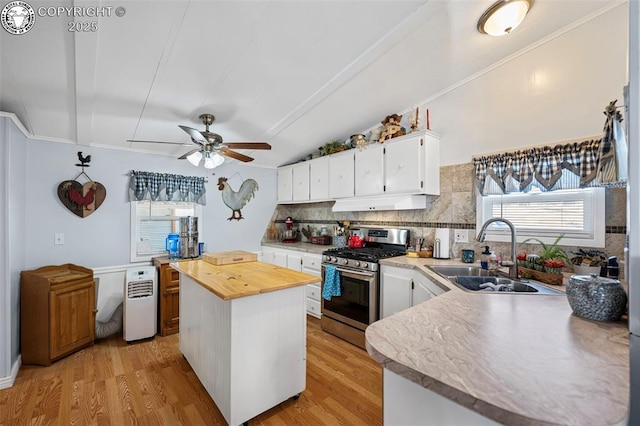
column 300, row 173
column 341, row 173
column 319, row 179
column 285, row 184
column 406, row 165
column 369, row 171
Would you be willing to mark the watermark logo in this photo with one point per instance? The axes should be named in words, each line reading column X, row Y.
column 17, row 17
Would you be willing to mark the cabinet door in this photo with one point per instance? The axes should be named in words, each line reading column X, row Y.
column 72, row 322
column 311, row 264
column 285, row 184
column 341, row 175
column 280, row 259
column 369, row 166
column 319, row 178
column 403, row 166
column 395, row 292
column 169, row 301
column 294, row 261
column 268, row 256
column 424, row 289
column 301, row 182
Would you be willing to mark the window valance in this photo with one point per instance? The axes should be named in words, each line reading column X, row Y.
column 599, row 162
column 166, row 187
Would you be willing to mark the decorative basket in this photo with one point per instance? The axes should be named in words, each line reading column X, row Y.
column 322, row 240
column 545, row 277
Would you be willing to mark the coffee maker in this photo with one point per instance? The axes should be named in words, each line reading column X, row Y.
column 188, row 237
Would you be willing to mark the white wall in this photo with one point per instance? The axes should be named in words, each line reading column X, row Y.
column 102, row 239
column 12, row 255
column 552, row 93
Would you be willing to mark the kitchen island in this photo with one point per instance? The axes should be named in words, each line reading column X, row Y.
column 243, row 330
column 512, row 359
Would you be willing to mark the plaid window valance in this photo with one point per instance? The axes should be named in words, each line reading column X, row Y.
column 601, row 162
column 166, row 187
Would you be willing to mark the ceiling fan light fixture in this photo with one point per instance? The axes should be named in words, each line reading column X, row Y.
column 213, row 161
column 504, row 16
column 195, row 158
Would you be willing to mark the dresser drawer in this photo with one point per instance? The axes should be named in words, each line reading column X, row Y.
column 311, row 263
column 313, row 307
column 313, row 291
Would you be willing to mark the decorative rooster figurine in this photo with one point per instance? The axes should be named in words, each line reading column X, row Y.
column 237, row 200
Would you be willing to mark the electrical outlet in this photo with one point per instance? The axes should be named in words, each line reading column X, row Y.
column 461, row 236
column 58, row 239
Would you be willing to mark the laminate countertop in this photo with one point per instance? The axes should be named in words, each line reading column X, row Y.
column 242, row 279
column 516, row 359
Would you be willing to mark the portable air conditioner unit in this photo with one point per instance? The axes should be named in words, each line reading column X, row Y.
column 140, row 303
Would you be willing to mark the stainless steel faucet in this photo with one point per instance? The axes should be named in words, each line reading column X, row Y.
column 513, row 267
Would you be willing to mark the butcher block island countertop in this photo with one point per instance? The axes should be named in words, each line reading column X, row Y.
column 243, row 330
column 514, row 359
column 242, row 279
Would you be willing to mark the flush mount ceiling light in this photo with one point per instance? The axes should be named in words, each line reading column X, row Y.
column 503, row 16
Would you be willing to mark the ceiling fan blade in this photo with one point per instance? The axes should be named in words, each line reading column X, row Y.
column 168, row 143
column 235, row 155
column 248, row 145
column 185, row 155
column 196, row 136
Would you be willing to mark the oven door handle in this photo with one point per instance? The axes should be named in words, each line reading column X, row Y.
column 363, row 274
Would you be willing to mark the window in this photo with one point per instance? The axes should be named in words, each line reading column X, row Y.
column 578, row 214
column 152, row 221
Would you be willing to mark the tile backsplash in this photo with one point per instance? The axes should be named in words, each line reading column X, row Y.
column 454, row 208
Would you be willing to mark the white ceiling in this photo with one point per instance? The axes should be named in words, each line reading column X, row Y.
column 293, row 74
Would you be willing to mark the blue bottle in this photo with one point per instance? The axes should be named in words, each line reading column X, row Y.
column 171, row 246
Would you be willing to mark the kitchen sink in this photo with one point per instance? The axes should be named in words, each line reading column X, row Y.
column 475, row 279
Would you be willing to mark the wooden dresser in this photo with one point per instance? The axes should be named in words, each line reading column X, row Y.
column 169, row 296
column 57, row 312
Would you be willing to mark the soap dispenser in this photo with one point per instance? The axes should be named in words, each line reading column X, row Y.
column 484, row 258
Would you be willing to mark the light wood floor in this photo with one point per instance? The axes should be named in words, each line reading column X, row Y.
column 150, row 383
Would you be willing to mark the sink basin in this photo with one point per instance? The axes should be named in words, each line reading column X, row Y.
column 478, row 280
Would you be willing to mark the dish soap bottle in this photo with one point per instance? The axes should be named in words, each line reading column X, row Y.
column 493, row 261
column 484, row 258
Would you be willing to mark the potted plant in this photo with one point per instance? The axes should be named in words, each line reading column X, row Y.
column 551, row 260
column 333, row 146
column 588, row 261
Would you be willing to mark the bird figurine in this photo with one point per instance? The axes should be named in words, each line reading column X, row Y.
column 237, row 200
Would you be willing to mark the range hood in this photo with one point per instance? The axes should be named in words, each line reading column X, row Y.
column 386, row 202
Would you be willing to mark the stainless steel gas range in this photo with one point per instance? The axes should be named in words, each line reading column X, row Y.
column 348, row 315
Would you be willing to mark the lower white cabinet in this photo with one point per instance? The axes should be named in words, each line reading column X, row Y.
column 402, row 288
column 308, row 263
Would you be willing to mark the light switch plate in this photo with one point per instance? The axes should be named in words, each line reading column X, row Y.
column 461, row 236
column 58, row 239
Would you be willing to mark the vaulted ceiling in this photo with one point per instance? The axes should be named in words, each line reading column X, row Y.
column 293, row 74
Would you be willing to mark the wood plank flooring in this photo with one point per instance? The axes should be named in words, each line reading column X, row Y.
column 150, row 383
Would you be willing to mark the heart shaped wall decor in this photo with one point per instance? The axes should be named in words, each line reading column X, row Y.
column 82, row 200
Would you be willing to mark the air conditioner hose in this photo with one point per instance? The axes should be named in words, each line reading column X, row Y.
column 112, row 326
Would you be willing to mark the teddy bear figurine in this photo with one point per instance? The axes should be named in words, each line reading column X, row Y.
column 392, row 127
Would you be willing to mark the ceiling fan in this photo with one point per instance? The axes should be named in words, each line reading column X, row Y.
column 211, row 146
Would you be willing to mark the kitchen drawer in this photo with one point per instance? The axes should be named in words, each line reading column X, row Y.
column 311, row 264
column 313, row 307
column 313, row 291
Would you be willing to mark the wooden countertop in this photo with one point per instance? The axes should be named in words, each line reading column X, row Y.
column 242, row 279
column 517, row 359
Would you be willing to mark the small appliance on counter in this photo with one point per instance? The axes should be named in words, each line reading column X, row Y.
column 290, row 235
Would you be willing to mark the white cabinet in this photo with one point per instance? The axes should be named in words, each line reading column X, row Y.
column 319, row 179
column 300, row 174
column 285, row 184
column 402, row 288
column 369, row 171
column 412, row 164
column 308, row 263
column 341, row 175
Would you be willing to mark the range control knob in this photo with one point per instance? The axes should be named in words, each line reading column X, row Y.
column 333, row 259
column 326, row 258
column 364, row 265
column 356, row 263
column 345, row 261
